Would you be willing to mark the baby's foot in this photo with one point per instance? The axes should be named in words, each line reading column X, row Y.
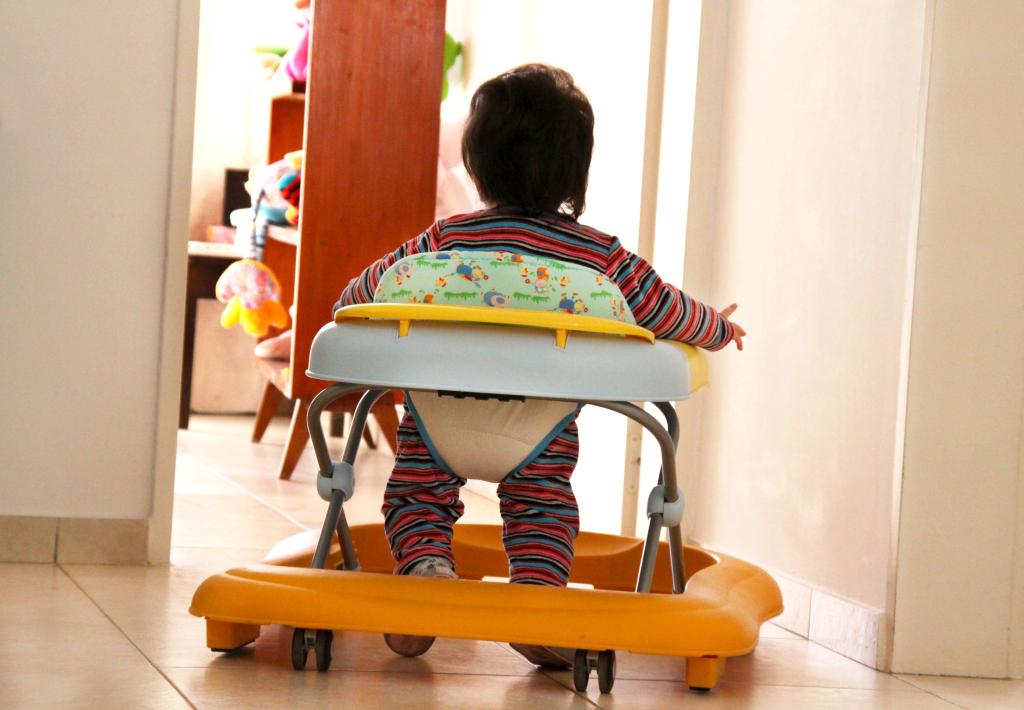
column 433, row 566
column 405, row 644
column 545, row 656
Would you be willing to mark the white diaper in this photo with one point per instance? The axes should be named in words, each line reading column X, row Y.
column 486, row 439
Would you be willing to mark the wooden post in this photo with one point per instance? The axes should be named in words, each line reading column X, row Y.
column 369, row 179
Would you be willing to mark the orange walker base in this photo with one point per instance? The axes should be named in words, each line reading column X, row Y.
column 719, row 615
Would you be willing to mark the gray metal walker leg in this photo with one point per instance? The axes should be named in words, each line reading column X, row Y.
column 336, row 481
column 675, row 532
column 665, row 504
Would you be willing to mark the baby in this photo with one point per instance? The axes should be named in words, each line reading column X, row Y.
column 527, row 146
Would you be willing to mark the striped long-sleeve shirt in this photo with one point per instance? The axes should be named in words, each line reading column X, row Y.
column 660, row 307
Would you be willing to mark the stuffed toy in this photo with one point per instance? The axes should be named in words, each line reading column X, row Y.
column 276, row 188
column 253, row 297
column 248, row 288
column 295, row 64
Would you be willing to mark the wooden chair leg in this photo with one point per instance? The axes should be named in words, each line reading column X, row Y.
column 386, row 416
column 269, row 401
column 298, row 436
column 368, row 437
column 337, row 424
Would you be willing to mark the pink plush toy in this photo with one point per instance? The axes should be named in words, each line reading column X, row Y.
column 253, row 298
column 248, row 287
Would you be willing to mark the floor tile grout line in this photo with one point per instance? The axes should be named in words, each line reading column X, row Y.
column 775, row 684
column 570, row 688
column 398, row 674
column 544, row 673
column 726, row 683
column 261, row 550
column 379, row 670
column 207, row 547
column 128, row 638
column 930, row 692
column 259, row 500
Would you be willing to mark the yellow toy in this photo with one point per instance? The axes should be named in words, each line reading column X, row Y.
column 253, row 297
column 248, row 288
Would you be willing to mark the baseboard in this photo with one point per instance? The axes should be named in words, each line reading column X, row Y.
column 28, row 539
column 854, row 630
column 796, row 600
column 104, row 541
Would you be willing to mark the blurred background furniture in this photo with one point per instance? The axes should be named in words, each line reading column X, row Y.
column 206, row 262
column 371, row 114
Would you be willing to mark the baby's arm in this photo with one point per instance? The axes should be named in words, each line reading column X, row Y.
column 362, row 287
column 667, row 311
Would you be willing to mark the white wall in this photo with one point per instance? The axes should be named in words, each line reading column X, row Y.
column 86, row 136
column 816, row 184
column 960, row 577
column 574, row 35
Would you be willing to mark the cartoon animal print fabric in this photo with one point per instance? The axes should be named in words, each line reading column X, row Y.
column 502, row 279
column 658, row 306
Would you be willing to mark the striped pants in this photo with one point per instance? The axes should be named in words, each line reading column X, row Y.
column 541, row 520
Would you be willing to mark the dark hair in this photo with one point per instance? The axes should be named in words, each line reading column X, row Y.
column 529, row 139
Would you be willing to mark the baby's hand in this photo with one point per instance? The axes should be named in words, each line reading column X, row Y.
column 738, row 332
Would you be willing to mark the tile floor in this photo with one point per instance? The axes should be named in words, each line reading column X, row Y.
column 91, row 636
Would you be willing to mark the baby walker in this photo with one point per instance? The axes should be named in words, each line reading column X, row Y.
column 648, row 596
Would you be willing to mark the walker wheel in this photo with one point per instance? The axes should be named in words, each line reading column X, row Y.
column 581, row 671
column 606, row 671
column 299, row 649
column 322, row 645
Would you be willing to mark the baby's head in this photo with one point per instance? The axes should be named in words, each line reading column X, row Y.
column 529, row 139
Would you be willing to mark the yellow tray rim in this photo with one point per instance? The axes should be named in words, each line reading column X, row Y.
column 561, row 323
